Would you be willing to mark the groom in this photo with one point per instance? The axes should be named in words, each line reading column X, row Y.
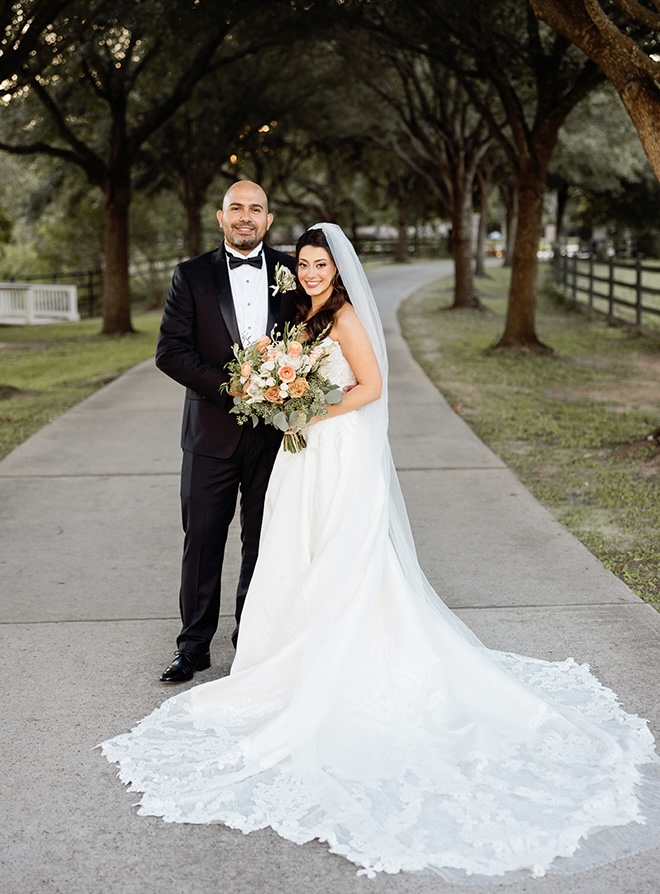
column 218, row 299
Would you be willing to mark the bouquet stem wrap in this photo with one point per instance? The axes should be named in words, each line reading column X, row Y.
column 294, row 441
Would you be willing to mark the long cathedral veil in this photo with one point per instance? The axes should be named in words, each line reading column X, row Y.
column 359, row 291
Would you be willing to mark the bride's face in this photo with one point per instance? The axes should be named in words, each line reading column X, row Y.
column 316, row 271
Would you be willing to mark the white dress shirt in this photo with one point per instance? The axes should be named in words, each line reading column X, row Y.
column 249, row 289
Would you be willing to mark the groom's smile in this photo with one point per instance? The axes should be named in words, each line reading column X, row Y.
column 243, row 230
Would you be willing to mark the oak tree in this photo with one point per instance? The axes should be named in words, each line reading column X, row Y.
column 623, row 38
column 131, row 68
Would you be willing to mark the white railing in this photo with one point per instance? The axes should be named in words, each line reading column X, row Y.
column 23, row 302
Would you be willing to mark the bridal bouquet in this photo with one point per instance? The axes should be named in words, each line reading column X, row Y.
column 279, row 381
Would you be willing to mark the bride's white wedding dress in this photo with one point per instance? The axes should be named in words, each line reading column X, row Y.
column 365, row 714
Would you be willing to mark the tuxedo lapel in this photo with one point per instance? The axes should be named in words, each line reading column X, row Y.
column 223, row 292
column 273, row 300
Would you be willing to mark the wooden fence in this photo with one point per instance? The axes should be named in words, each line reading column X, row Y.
column 149, row 281
column 624, row 291
column 29, row 303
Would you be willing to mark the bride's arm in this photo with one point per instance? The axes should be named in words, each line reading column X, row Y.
column 356, row 348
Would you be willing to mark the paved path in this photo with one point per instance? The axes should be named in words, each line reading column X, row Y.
column 89, row 563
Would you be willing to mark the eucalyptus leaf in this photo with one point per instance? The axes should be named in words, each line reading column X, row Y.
column 280, row 421
column 334, row 397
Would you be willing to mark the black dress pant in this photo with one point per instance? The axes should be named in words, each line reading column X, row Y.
column 209, row 491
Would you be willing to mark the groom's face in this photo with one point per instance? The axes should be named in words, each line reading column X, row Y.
column 244, row 218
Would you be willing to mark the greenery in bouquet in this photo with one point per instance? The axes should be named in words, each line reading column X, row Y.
column 279, row 380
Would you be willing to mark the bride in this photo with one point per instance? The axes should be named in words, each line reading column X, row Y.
column 359, row 709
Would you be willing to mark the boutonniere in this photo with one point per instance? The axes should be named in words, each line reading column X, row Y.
column 285, row 281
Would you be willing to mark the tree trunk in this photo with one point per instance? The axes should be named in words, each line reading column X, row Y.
column 116, row 290
column 510, row 199
column 192, row 189
column 485, row 187
column 194, row 229
column 642, row 100
column 401, row 255
column 520, row 328
column 562, row 202
column 480, row 249
column 461, row 237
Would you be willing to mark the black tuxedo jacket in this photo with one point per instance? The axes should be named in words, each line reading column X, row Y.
column 195, row 342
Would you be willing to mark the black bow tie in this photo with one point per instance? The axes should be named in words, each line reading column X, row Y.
column 235, row 261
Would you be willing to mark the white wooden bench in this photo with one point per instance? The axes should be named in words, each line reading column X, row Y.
column 30, row 302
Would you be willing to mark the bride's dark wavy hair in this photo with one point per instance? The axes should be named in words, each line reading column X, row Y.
column 324, row 317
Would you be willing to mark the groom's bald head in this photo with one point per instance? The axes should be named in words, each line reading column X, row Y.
column 245, row 191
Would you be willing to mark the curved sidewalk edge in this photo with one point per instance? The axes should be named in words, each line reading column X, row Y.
column 89, row 563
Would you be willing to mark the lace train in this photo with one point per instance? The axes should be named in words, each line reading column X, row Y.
column 497, row 808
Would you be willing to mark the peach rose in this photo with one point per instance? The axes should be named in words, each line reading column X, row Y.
column 295, row 349
column 246, row 369
column 262, row 344
column 287, row 373
column 273, row 395
column 298, row 387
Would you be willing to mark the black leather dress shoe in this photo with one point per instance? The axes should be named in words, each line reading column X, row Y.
column 184, row 666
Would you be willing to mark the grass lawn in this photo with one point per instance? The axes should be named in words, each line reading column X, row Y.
column 574, row 427
column 46, row 369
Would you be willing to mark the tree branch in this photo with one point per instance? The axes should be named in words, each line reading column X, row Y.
column 640, row 13
column 41, row 148
column 23, row 59
column 199, row 66
column 83, row 156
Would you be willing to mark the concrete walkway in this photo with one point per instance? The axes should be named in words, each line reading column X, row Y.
column 89, row 563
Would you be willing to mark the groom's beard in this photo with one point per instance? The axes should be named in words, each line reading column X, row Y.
column 243, row 241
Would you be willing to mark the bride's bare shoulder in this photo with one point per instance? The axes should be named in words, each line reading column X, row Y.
column 346, row 321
